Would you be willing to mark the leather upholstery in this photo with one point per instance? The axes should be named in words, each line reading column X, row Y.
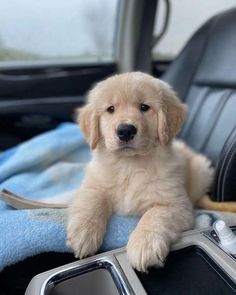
column 204, row 76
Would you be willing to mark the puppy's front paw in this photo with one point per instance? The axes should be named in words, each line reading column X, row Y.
column 146, row 249
column 85, row 238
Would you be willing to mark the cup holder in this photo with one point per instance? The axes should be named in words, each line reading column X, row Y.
column 100, row 277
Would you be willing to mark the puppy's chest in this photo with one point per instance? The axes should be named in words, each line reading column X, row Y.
column 135, row 190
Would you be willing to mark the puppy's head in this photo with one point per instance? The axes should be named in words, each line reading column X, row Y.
column 131, row 113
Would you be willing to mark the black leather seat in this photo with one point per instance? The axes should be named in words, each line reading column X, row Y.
column 204, row 76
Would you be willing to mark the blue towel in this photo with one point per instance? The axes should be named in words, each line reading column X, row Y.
column 44, row 167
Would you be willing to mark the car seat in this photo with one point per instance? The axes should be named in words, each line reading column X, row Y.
column 204, row 77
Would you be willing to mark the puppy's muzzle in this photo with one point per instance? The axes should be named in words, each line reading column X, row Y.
column 126, row 132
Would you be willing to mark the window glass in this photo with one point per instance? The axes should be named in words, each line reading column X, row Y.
column 52, row 30
column 185, row 18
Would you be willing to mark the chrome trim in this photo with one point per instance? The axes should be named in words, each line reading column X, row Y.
column 208, row 235
column 108, row 262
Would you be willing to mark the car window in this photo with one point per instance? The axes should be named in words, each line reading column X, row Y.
column 185, row 18
column 74, row 30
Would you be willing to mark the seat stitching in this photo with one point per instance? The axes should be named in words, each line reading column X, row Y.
column 199, row 107
column 204, row 46
column 218, row 110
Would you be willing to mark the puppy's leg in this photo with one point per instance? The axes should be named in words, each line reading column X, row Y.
column 160, row 226
column 87, row 221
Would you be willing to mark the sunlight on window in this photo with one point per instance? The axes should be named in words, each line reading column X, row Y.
column 75, row 30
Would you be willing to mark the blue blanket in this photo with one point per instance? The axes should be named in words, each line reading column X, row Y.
column 44, row 168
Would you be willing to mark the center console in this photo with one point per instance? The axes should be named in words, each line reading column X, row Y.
column 197, row 264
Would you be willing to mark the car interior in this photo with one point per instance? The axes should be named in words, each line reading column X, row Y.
column 37, row 95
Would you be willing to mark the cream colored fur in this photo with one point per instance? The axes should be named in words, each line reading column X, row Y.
column 151, row 176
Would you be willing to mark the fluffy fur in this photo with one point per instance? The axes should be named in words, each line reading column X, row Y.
column 152, row 175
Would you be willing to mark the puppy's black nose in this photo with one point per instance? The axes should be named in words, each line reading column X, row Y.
column 126, row 132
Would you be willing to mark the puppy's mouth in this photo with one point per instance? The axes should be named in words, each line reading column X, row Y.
column 119, row 146
column 126, row 146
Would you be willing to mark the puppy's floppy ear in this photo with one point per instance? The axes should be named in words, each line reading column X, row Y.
column 171, row 114
column 89, row 124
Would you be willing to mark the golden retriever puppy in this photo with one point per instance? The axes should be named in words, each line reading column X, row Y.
column 130, row 121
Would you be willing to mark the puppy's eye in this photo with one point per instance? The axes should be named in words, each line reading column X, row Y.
column 111, row 109
column 144, row 107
